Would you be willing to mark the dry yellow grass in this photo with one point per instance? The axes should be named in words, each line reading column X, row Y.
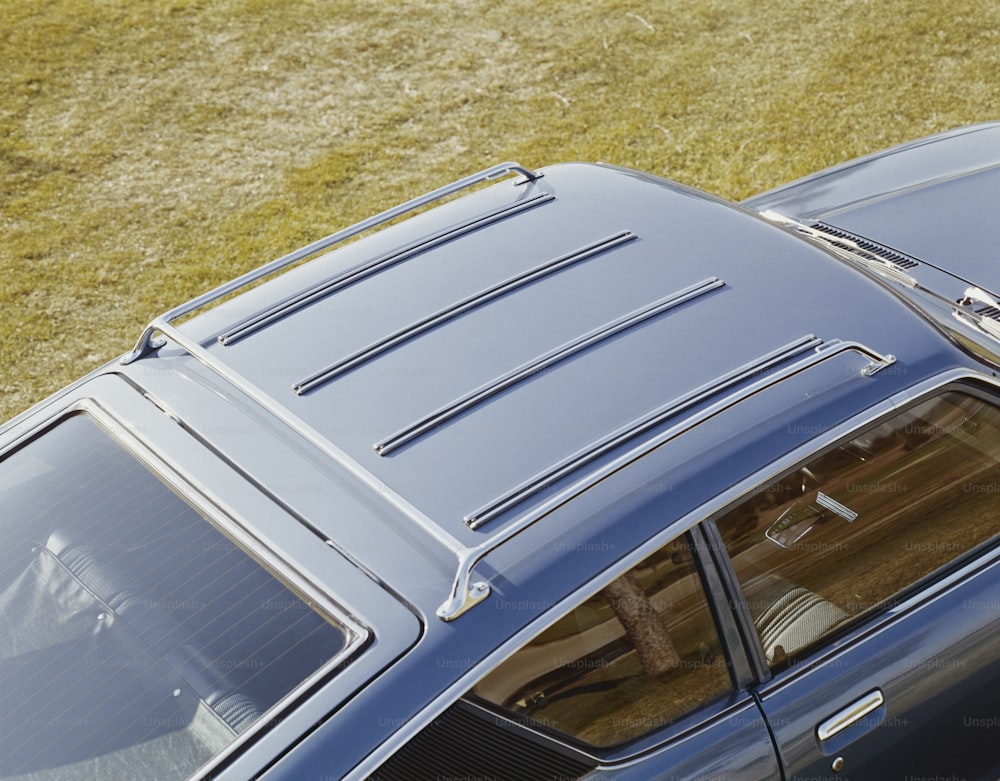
column 149, row 150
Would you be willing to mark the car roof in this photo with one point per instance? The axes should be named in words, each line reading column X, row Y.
column 483, row 357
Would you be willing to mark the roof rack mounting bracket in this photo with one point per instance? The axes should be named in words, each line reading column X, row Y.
column 879, row 362
column 464, row 596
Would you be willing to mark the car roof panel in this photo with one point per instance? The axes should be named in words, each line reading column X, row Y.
column 466, row 311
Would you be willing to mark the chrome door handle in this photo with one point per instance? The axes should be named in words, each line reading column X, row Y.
column 852, row 714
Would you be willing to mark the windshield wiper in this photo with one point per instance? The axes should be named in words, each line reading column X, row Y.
column 845, row 248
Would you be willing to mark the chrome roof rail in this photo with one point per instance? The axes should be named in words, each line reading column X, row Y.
column 353, row 275
column 466, row 593
column 531, row 368
column 148, row 341
column 460, row 308
column 163, row 329
column 632, row 429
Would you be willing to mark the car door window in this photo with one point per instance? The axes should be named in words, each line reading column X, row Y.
column 854, row 528
column 633, row 658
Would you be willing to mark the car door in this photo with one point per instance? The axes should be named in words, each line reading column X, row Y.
column 869, row 578
column 914, row 697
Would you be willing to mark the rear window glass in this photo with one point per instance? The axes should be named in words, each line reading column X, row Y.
column 138, row 640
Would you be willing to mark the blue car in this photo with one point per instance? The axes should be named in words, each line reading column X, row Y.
column 571, row 473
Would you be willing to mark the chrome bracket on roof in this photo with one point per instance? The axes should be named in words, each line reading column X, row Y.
column 152, row 337
column 745, row 381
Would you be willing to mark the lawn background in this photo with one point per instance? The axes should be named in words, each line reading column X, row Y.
column 150, row 150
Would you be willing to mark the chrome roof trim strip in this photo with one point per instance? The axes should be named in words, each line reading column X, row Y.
column 648, row 420
column 529, row 369
column 460, row 308
column 148, row 341
column 466, row 594
column 347, row 278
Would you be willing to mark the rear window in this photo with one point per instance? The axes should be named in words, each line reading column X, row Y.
column 138, row 640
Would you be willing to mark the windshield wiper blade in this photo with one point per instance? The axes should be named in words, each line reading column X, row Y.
column 845, row 248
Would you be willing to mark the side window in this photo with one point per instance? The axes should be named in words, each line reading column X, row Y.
column 846, row 533
column 633, row 658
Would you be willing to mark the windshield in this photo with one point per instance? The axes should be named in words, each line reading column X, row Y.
column 138, row 640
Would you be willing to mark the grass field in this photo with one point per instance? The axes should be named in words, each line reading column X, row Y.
column 149, row 150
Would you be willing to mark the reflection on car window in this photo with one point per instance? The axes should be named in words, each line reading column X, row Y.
column 848, row 531
column 137, row 641
column 632, row 659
